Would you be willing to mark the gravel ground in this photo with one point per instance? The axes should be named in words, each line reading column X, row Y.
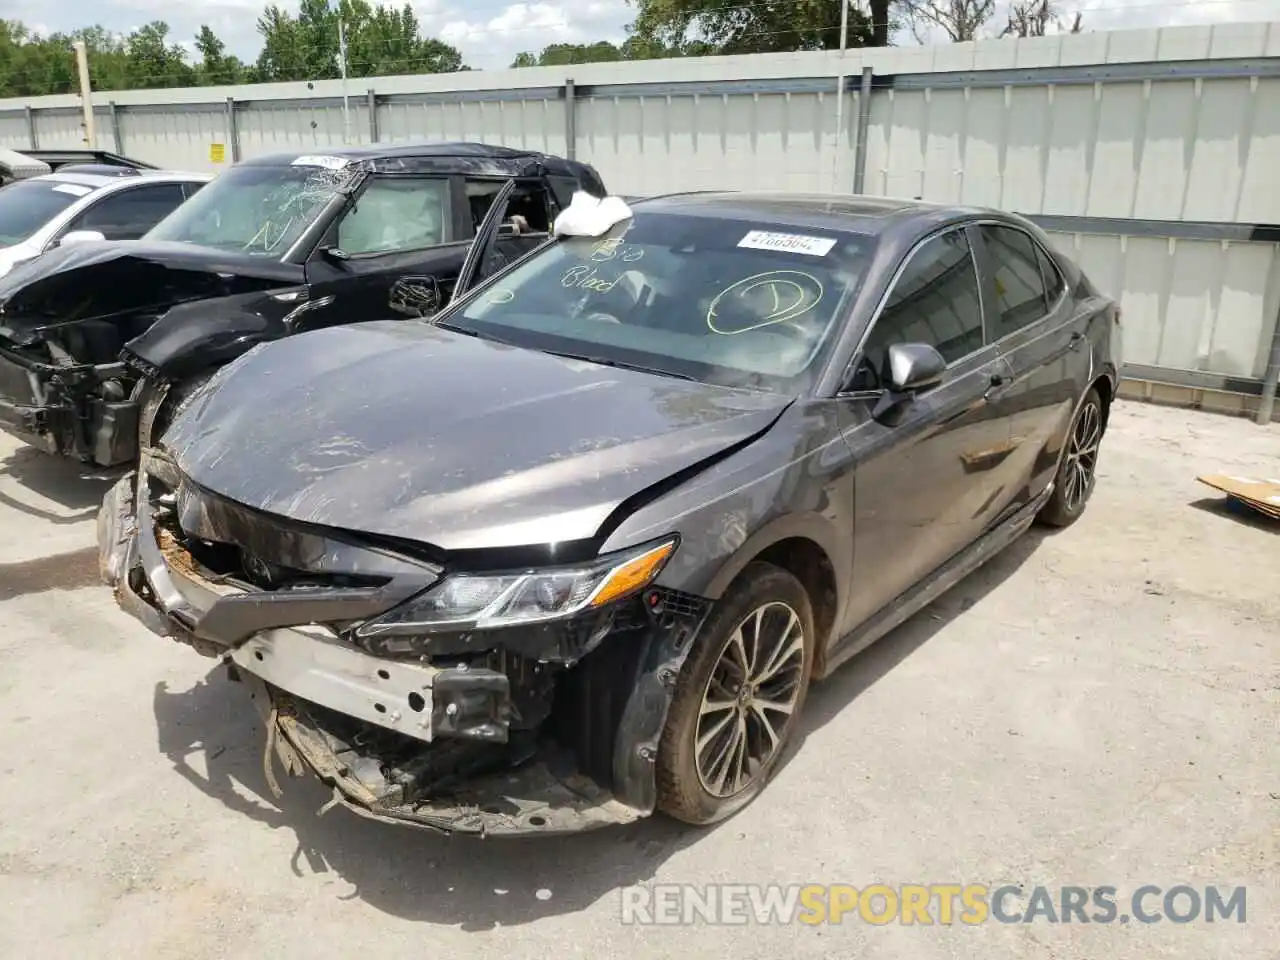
column 1095, row 707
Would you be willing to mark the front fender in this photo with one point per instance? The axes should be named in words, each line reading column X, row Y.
column 198, row 336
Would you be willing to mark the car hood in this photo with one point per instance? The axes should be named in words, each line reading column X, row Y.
column 408, row 430
column 102, row 279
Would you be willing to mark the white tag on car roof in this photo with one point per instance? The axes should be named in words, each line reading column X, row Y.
column 316, row 160
column 787, row 243
column 75, row 189
column 588, row 216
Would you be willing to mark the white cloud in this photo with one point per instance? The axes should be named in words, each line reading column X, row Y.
column 494, row 42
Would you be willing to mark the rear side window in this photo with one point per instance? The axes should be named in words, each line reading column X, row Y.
column 934, row 301
column 1053, row 281
column 130, row 213
column 394, row 214
column 1020, row 296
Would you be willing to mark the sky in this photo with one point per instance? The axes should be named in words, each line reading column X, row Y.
column 491, row 32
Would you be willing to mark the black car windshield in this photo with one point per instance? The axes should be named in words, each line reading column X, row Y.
column 259, row 210
column 27, row 205
column 713, row 299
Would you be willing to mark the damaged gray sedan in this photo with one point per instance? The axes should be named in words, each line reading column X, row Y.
column 573, row 550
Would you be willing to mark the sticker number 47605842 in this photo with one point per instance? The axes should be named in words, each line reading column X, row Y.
column 787, row 243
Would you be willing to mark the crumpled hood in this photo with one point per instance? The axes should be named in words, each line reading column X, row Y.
column 101, row 279
column 412, row 431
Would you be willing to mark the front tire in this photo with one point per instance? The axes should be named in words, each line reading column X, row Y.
column 738, row 698
column 1078, row 471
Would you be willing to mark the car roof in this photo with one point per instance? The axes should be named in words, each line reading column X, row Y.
column 482, row 159
column 98, row 181
column 843, row 213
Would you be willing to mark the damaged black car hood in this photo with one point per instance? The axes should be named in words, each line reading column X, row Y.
column 104, row 279
column 408, row 430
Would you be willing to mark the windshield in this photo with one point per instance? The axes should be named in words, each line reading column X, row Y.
column 255, row 210
column 722, row 301
column 27, row 205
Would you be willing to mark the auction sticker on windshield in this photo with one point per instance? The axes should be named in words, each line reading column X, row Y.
column 75, row 189
column 329, row 163
column 787, row 243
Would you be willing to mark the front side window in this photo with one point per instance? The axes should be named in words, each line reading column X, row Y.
column 1020, row 297
column 128, row 214
column 27, row 205
column 722, row 301
column 395, row 213
column 934, row 301
column 257, row 210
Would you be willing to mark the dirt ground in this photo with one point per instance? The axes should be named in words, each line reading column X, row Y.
column 1096, row 707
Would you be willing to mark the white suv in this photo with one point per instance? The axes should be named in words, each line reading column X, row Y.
column 43, row 212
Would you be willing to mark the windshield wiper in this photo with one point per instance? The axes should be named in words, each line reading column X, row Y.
column 620, row 364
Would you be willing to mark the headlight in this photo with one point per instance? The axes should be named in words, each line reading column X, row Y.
column 479, row 602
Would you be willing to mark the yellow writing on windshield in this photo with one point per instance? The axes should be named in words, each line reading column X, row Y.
column 762, row 300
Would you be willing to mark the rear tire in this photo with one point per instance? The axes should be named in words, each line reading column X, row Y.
column 1078, row 470
column 738, row 698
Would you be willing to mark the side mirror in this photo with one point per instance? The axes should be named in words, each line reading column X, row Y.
column 913, row 367
column 80, row 236
column 416, row 297
column 908, row 369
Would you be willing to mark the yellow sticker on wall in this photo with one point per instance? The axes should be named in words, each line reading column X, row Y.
column 217, row 152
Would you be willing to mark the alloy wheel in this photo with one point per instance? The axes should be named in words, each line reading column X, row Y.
column 1082, row 456
column 749, row 699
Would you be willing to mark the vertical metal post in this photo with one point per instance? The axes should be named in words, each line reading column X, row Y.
column 864, row 125
column 372, row 99
column 1270, row 380
column 570, row 120
column 86, row 94
column 115, row 127
column 31, row 127
column 838, row 146
column 233, row 136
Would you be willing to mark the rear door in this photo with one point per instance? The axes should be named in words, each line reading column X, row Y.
column 1031, row 319
column 924, row 486
column 128, row 213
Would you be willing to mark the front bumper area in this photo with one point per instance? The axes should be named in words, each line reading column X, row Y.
column 61, row 410
column 473, row 795
column 498, row 745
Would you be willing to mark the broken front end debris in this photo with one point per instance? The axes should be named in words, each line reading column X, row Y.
column 510, row 703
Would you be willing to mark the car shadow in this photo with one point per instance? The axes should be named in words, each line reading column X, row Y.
column 66, row 483
column 829, row 697
column 420, row 876
column 214, row 738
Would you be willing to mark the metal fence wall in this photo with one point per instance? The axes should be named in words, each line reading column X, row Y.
column 1150, row 155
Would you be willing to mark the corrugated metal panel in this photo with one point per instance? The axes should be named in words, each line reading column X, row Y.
column 757, row 141
column 1165, row 150
column 13, row 132
column 533, row 124
column 1188, row 304
column 64, row 129
column 182, row 140
column 265, row 128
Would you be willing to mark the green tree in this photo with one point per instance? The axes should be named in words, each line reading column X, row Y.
column 216, row 68
column 151, row 61
column 381, row 41
column 567, row 54
column 763, row 26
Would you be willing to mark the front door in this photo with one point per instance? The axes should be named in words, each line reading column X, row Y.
column 394, row 252
column 924, row 482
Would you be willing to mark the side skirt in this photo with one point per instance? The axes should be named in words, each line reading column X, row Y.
column 898, row 611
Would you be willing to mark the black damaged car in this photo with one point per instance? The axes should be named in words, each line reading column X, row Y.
column 98, row 341
column 573, row 551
